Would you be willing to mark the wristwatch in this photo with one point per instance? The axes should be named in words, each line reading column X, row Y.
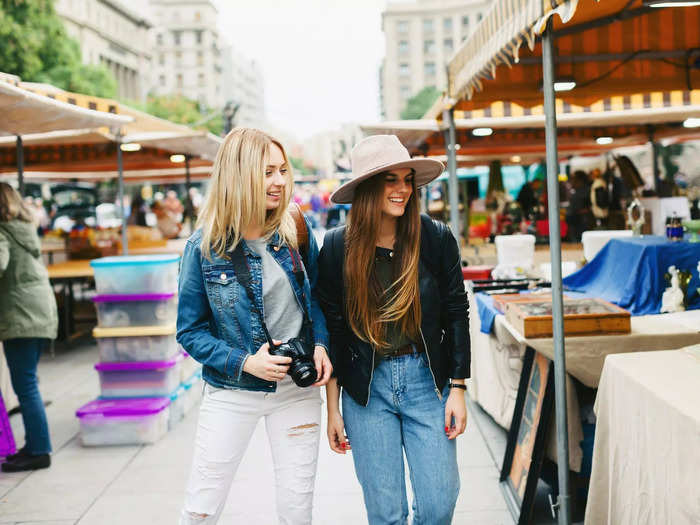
column 458, row 385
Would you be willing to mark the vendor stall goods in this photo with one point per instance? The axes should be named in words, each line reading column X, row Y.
column 581, row 317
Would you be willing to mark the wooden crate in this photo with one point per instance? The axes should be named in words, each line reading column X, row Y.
column 501, row 301
column 581, row 317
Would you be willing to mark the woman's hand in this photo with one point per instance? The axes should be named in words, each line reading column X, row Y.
column 456, row 408
column 265, row 366
column 323, row 366
column 337, row 439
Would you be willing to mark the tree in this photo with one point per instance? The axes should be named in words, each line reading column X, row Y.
column 36, row 47
column 420, row 103
column 183, row 110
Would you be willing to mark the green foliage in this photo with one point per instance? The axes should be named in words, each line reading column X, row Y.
column 420, row 103
column 298, row 166
column 36, row 47
column 182, row 110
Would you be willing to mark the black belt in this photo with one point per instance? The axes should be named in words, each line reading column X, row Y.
column 404, row 350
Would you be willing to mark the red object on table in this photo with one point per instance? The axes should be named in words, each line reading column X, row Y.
column 472, row 273
column 543, row 227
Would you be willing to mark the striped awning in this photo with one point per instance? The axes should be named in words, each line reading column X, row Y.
column 518, row 132
column 607, row 47
column 24, row 111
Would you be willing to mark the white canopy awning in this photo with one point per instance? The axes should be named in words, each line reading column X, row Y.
column 23, row 112
column 195, row 143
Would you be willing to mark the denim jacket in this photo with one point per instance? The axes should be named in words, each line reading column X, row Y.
column 215, row 322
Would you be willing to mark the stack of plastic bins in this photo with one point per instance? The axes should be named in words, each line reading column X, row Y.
column 185, row 398
column 139, row 358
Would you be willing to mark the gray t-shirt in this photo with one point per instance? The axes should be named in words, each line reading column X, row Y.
column 283, row 314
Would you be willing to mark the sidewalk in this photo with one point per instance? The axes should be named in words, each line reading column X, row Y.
column 144, row 484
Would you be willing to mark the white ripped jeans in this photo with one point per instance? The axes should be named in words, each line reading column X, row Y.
column 227, row 420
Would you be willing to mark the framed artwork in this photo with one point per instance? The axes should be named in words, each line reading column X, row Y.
column 525, row 448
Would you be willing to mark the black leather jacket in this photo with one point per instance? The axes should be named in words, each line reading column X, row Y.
column 444, row 307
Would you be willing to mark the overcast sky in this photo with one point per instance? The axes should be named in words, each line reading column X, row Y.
column 320, row 58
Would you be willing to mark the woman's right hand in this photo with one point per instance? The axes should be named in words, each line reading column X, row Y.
column 337, row 439
column 266, row 366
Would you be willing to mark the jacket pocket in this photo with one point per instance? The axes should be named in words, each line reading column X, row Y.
column 222, row 289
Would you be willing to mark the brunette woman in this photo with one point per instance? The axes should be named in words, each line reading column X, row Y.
column 391, row 287
column 243, row 285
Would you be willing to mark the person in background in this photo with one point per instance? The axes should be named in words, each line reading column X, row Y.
column 28, row 320
column 139, row 209
column 168, row 226
column 173, row 205
column 578, row 213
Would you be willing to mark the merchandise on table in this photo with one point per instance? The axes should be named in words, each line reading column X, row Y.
column 136, row 274
column 123, row 421
column 515, row 250
column 471, row 273
column 148, row 343
column 136, row 310
column 139, row 378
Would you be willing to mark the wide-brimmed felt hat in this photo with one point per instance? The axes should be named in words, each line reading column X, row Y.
column 379, row 154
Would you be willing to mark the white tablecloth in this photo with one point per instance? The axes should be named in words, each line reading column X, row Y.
column 646, row 460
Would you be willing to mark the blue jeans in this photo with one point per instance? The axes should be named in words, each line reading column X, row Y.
column 404, row 413
column 22, row 356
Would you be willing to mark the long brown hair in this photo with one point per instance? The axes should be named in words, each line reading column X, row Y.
column 11, row 205
column 369, row 307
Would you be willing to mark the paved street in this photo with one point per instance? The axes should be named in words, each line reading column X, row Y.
column 144, row 484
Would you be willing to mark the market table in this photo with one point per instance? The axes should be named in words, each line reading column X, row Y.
column 629, row 272
column 68, row 273
column 646, row 455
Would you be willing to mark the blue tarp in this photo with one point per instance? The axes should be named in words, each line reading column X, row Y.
column 630, row 272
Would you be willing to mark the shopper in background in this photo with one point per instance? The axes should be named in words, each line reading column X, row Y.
column 28, row 320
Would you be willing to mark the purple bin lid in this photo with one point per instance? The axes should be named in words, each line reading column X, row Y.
column 123, row 407
column 133, row 297
column 139, row 365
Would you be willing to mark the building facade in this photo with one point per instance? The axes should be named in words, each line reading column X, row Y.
column 329, row 151
column 421, row 37
column 114, row 35
column 188, row 58
column 244, row 86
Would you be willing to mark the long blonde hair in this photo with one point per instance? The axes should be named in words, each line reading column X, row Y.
column 368, row 306
column 11, row 205
column 236, row 197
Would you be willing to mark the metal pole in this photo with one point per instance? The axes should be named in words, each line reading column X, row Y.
column 450, row 140
column 564, row 515
column 20, row 165
column 189, row 210
column 120, row 168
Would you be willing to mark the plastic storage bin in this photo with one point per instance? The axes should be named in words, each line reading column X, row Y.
column 136, row 274
column 123, row 421
column 193, row 391
column 189, row 367
column 146, row 343
column 515, row 250
column 177, row 406
column 136, row 310
column 139, row 378
column 594, row 240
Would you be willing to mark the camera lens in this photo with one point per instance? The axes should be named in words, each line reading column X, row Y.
column 303, row 373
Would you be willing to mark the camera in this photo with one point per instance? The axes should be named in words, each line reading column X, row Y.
column 302, row 367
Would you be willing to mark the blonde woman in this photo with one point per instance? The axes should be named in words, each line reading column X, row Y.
column 398, row 323
column 28, row 319
column 243, row 286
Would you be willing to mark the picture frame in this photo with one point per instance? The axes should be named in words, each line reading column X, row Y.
column 525, row 447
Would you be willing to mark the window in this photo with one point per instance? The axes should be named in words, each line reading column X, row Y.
column 427, row 25
column 178, row 56
column 448, row 44
column 402, row 26
column 159, row 39
column 177, row 36
column 479, row 16
column 403, row 47
column 179, row 80
column 447, row 24
column 162, row 80
column 198, row 36
column 200, row 80
column 200, row 58
column 465, row 21
column 428, row 46
column 405, row 92
column 429, row 69
column 161, row 59
column 404, row 70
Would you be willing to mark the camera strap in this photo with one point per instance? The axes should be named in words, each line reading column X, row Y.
column 240, row 266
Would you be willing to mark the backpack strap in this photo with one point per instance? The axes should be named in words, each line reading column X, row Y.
column 302, row 230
